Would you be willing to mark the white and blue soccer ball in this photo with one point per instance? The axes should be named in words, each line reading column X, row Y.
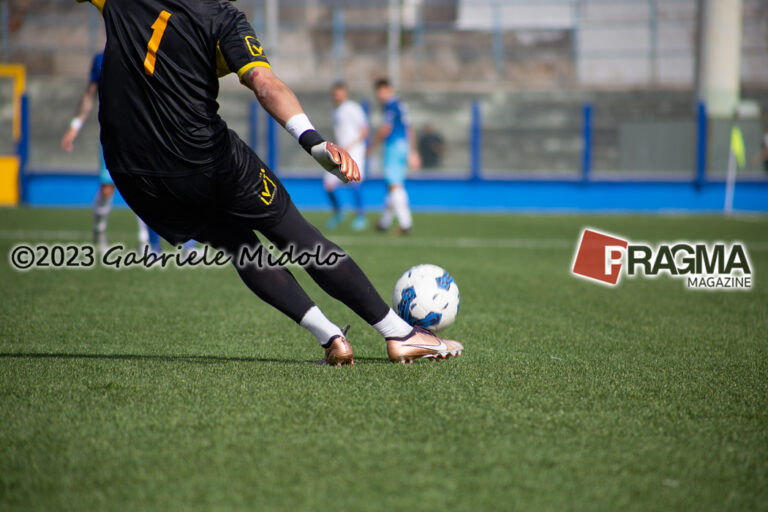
column 427, row 295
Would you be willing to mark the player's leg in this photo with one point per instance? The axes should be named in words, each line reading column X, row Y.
column 148, row 237
column 396, row 179
column 274, row 285
column 395, row 166
column 360, row 221
column 387, row 214
column 385, row 221
column 277, row 287
column 143, row 234
column 154, row 241
column 102, row 205
column 255, row 197
column 331, row 184
column 344, row 280
column 402, row 208
column 183, row 208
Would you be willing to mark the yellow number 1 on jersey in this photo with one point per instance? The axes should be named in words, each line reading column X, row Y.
column 154, row 42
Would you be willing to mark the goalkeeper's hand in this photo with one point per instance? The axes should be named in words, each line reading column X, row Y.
column 333, row 158
column 336, row 160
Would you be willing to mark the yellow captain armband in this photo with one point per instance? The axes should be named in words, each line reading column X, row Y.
column 243, row 70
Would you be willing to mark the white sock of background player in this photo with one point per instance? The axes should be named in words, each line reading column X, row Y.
column 102, row 205
column 402, row 210
column 386, row 216
column 143, row 234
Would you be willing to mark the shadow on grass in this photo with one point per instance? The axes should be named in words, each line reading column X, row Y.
column 147, row 357
column 170, row 359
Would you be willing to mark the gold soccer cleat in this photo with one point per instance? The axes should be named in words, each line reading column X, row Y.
column 421, row 344
column 339, row 352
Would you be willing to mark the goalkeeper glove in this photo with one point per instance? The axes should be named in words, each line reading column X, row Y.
column 333, row 158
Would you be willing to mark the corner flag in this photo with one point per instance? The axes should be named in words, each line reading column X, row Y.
column 736, row 158
column 737, row 146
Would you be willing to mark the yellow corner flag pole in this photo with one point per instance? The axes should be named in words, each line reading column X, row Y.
column 10, row 165
column 736, row 158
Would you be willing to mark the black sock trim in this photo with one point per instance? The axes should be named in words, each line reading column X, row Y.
column 343, row 335
column 403, row 338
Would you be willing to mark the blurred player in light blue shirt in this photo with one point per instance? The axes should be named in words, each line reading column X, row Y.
column 399, row 152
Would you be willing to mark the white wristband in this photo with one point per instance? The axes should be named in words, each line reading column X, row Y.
column 298, row 124
column 76, row 124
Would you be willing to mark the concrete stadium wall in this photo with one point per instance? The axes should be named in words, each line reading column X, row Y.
column 523, row 132
column 551, row 44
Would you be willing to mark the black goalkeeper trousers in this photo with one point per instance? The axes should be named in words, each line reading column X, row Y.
column 294, row 235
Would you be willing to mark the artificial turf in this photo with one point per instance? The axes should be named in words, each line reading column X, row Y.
column 177, row 389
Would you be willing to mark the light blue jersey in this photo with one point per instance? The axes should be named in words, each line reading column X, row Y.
column 104, row 177
column 95, row 77
column 396, row 116
column 396, row 145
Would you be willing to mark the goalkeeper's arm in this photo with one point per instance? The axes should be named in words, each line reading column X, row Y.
column 282, row 104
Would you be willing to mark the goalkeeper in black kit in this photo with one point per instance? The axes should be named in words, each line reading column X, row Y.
column 188, row 176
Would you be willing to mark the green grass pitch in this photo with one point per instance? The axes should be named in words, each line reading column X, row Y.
column 179, row 390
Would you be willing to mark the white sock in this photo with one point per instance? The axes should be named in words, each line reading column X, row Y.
column 316, row 322
column 402, row 210
column 101, row 207
column 392, row 326
column 143, row 233
column 386, row 216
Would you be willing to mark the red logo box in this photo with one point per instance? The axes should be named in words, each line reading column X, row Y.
column 600, row 257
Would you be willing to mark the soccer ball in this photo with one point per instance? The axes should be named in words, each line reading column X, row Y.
column 426, row 295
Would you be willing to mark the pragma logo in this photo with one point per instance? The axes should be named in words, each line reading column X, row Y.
column 604, row 258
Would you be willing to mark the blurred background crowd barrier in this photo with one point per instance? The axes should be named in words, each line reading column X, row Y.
column 543, row 89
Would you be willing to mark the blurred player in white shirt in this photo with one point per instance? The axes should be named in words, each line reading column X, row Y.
column 350, row 126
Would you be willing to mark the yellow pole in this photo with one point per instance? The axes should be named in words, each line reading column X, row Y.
column 9, row 165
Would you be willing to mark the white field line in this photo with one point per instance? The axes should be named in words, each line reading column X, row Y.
column 352, row 241
column 483, row 243
column 468, row 243
column 42, row 236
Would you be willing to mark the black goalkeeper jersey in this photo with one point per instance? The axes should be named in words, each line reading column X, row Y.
column 158, row 89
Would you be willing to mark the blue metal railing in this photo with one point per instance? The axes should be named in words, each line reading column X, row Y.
column 475, row 137
column 701, row 143
column 273, row 156
column 476, row 145
column 22, row 146
column 586, row 141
